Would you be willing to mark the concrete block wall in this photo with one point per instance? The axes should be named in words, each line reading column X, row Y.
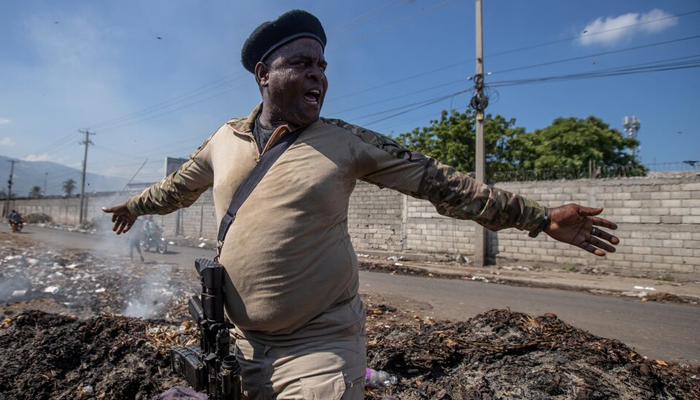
column 658, row 219
column 375, row 218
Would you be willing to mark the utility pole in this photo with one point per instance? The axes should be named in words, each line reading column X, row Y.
column 46, row 180
column 9, row 186
column 479, row 102
column 87, row 143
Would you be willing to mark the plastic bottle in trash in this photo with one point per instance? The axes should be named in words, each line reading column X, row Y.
column 377, row 379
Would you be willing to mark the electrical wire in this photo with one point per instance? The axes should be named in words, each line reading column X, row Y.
column 184, row 96
column 604, row 53
column 427, row 10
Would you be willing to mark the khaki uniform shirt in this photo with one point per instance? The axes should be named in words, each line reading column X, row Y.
column 292, row 271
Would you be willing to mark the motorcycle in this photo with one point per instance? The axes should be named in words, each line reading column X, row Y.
column 16, row 225
column 154, row 239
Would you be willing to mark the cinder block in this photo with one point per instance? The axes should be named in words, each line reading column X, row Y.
column 683, row 252
column 678, row 211
column 673, row 260
column 634, row 257
column 682, row 235
column 674, row 219
column 658, row 211
column 671, row 203
column 673, row 243
column 630, row 219
column 660, row 195
column 654, row 219
column 691, row 202
column 690, row 186
column 642, row 250
column 691, row 219
column 632, row 204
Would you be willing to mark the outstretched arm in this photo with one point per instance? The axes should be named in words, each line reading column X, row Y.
column 180, row 189
column 579, row 226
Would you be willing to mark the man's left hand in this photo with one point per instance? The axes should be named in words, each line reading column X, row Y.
column 579, row 226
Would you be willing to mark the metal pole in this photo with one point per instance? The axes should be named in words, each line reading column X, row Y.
column 480, row 253
column 86, row 142
column 9, row 186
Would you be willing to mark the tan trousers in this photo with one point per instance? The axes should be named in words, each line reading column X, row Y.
column 330, row 370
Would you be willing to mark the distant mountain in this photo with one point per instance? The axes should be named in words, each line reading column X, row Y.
column 51, row 176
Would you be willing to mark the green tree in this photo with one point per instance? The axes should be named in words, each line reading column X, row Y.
column 566, row 147
column 452, row 140
column 571, row 143
column 68, row 187
column 35, row 192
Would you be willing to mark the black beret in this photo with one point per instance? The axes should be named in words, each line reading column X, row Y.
column 271, row 35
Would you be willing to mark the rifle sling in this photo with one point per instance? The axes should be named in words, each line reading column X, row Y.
column 247, row 187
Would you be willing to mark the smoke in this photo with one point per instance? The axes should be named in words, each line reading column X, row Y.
column 150, row 294
column 14, row 289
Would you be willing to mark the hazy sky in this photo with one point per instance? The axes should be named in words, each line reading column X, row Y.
column 155, row 78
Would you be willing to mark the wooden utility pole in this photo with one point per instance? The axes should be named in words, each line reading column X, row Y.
column 479, row 103
column 9, row 186
column 87, row 143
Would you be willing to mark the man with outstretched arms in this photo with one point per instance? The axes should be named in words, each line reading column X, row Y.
column 292, row 277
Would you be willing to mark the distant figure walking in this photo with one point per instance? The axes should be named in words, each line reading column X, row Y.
column 135, row 241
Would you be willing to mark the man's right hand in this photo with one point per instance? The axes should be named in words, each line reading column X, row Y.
column 122, row 218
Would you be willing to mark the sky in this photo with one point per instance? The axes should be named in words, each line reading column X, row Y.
column 155, row 78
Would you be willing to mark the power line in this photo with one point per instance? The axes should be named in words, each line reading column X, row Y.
column 368, row 17
column 214, row 84
column 427, row 10
column 604, row 53
column 655, row 66
column 175, row 100
column 591, row 34
column 506, row 52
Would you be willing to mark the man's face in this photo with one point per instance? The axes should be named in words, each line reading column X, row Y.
column 294, row 82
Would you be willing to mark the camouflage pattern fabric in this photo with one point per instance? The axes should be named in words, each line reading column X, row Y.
column 168, row 195
column 455, row 194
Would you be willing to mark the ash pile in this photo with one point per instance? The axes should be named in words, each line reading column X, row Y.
column 496, row 355
column 502, row 354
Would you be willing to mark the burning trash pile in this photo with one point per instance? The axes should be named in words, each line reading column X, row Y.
column 49, row 356
column 81, row 283
column 496, row 355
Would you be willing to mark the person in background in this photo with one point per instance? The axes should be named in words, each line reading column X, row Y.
column 135, row 237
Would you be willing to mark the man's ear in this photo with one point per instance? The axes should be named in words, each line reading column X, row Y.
column 262, row 74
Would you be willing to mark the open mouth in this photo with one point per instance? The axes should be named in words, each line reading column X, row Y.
column 313, row 96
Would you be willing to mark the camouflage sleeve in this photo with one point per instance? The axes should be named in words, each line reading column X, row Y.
column 182, row 188
column 453, row 193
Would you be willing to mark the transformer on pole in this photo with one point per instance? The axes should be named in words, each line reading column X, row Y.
column 632, row 126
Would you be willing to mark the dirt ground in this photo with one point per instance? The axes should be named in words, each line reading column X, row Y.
column 69, row 351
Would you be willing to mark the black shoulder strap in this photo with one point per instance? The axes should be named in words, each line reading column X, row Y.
column 251, row 182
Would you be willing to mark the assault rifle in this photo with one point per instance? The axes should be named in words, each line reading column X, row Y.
column 209, row 366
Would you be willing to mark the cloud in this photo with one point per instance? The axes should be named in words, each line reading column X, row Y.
column 614, row 30
column 4, row 121
column 6, row 141
column 37, row 157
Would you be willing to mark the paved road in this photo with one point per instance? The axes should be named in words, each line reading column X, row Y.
column 658, row 330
